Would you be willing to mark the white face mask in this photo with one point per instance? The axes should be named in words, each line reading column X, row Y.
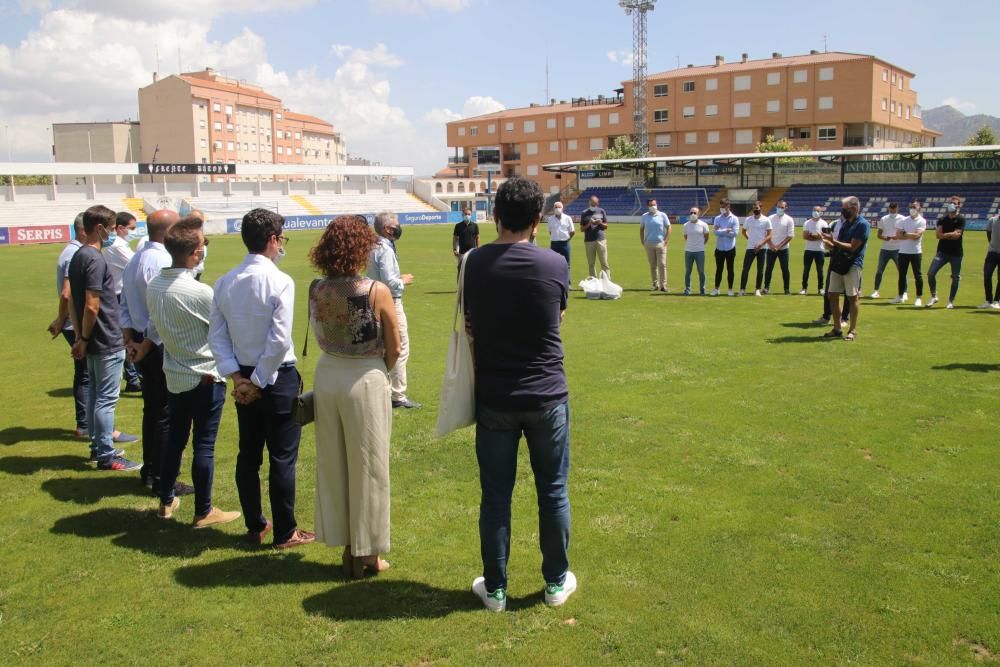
column 723, row 211
column 817, row 215
column 780, row 211
column 914, row 213
column 280, row 255
column 652, row 210
column 557, row 211
column 693, row 217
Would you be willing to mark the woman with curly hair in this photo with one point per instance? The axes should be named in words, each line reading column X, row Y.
column 355, row 323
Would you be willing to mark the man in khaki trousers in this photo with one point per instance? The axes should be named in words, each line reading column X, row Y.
column 594, row 222
column 654, row 234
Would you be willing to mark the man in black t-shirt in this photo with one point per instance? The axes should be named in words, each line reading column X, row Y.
column 950, row 228
column 465, row 237
column 515, row 297
column 94, row 311
column 594, row 223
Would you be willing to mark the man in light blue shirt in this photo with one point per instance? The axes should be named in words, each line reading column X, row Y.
column 726, row 226
column 383, row 266
column 654, row 234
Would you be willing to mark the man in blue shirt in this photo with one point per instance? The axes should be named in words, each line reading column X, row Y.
column 725, row 227
column 654, row 234
column 852, row 238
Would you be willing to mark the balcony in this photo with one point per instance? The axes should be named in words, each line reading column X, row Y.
column 512, row 156
column 458, row 159
column 856, row 142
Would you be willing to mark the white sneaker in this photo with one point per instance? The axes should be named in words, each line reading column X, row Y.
column 875, row 294
column 933, row 300
column 844, row 324
column 556, row 595
column 715, row 292
column 822, row 291
column 756, row 292
column 497, row 600
column 732, row 293
column 902, row 298
column 802, row 292
column 742, row 293
column 950, row 306
column 984, row 306
column 918, row 303
column 995, row 305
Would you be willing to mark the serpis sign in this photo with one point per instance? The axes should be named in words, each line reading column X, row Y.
column 43, row 234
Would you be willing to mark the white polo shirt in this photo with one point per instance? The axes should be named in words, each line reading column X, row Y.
column 560, row 227
column 912, row 225
column 814, row 226
column 757, row 229
column 887, row 225
column 695, row 233
column 784, row 228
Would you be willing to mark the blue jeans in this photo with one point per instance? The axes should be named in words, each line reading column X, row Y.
column 201, row 406
column 884, row 257
column 105, row 374
column 691, row 258
column 562, row 247
column 497, row 437
column 81, row 384
column 937, row 263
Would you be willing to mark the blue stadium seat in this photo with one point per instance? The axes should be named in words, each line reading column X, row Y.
column 624, row 201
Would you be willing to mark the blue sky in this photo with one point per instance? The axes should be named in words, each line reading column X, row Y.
column 388, row 73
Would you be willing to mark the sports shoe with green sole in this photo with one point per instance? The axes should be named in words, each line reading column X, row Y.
column 556, row 594
column 495, row 601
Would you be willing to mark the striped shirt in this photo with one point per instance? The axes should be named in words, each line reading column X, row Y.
column 179, row 310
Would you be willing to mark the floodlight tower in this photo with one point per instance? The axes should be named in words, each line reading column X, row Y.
column 637, row 9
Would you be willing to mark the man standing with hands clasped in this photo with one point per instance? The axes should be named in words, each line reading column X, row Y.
column 464, row 237
column 950, row 228
column 782, row 231
column 757, row 232
column 594, row 223
column 654, row 235
column 725, row 226
column 561, row 232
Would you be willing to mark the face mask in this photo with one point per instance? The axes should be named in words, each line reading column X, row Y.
column 132, row 235
column 846, row 212
column 279, row 256
column 466, row 218
column 817, row 215
column 591, row 207
column 108, row 241
column 558, row 211
column 397, row 232
column 653, row 210
column 204, row 254
column 951, row 208
column 756, row 211
column 781, row 211
column 914, row 213
column 693, row 217
column 723, row 211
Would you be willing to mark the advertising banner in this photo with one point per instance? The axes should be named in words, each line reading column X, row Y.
column 165, row 168
column 4, row 236
column 294, row 223
column 43, row 234
column 597, row 173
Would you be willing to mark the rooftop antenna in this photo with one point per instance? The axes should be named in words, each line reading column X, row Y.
column 157, row 47
column 180, row 67
column 825, row 47
column 547, row 98
column 638, row 9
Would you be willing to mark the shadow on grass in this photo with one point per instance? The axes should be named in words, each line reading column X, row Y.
column 91, row 490
column 800, row 339
column 143, row 531
column 386, row 599
column 63, row 392
column 803, row 325
column 972, row 368
column 29, row 465
column 265, row 569
column 17, row 434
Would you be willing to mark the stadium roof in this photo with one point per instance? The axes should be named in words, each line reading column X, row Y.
column 774, row 61
column 760, row 157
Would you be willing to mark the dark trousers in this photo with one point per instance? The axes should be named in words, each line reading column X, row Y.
column 269, row 422
column 884, row 257
column 563, row 248
column 81, row 384
column 782, row 257
column 940, row 259
column 809, row 258
column 131, row 374
column 155, row 414
column 727, row 257
column 202, row 408
column 749, row 257
column 828, row 307
column 992, row 264
column 907, row 260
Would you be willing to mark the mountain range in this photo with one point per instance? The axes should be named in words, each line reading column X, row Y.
column 957, row 127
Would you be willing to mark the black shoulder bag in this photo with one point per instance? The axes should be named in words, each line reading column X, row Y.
column 305, row 409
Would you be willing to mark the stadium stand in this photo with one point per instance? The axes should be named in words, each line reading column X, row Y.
column 623, row 201
column 980, row 200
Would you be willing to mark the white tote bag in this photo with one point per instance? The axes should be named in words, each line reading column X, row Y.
column 457, row 408
column 609, row 290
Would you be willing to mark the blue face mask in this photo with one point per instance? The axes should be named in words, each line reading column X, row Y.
column 951, row 208
column 107, row 242
column 781, row 211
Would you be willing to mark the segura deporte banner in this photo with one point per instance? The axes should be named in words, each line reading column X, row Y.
column 296, row 223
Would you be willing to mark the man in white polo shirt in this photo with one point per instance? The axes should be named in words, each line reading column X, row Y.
column 812, row 234
column 757, row 232
column 910, row 233
column 782, row 231
column 696, row 233
column 561, row 232
column 890, row 248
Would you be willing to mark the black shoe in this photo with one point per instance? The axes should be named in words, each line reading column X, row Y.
column 406, row 403
column 116, row 454
column 182, row 489
column 132, row 388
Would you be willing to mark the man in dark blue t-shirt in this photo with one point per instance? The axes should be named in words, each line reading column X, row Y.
column 851, row 240
column 515, row 297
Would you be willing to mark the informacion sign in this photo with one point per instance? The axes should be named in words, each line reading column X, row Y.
column 911, row 166
column 172, row 168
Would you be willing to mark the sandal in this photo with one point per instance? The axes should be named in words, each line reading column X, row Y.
column 363, row 565
column 850, row 336
column 836, row 333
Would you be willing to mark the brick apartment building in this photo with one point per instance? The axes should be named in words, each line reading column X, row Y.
column 818, row 101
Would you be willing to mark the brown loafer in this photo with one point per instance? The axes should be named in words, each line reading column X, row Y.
column 167, row 511
column 258, row 537
column 298, row 538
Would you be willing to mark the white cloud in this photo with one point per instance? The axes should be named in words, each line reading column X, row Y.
column 441, row 116
column 476, row 105
column 161, row 10
column 961, row 105
column 377, row 57
column 416, row 6
column 621, row 56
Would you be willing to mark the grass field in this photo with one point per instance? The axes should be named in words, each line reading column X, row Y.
column 742, row 491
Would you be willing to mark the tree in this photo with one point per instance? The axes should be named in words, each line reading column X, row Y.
column 26, row 180
column 985, row 136
column 623, row 149
column 774, row 145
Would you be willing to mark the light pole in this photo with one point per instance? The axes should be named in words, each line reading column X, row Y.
column 6, row 135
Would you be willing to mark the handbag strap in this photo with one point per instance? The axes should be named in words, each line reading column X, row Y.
column 312, row 289
column 460, row 295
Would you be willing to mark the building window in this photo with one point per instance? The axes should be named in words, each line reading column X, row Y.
column 688, row 112
column 741, row 82
column 661, row 90
column 713, row 137
column 230, row 146
column 885, row 104
column 298, row 151
column 508, row 127
column 593, row 120
column 529, row 126
column 216, row 107
column 899, row 111
column 246, row 146
column 550, row 123
column 201, row 124
column 532, row 170
column 800, row 76
column 531, row 148
column 661, row 116
column 741, row 110
column 570, row 121
column 773, row 106
column 825, row 103
column 663, row 141
column 689, row 86
column 613, row 118
column 229, row 110
column 885, row 75
column 900, row 82
column 826, row 74
column 773, row 78
column 800, row 104
column 908, row 108
column 597, row 144
column 491, row 128
column 894, row 78
column 827, row 133
column 474, row 131
column 204, row 143
column 281, row 150
column 690, row 137
column 744, row 137
column 553, row 146
column 461, row 131
column 298, row 135
column 892, row 107
column 218, row 126
column 799, row 133
column 711, row 84
column 217, row 145
column 712, row 110
column 277, row 116
column 571, row 145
